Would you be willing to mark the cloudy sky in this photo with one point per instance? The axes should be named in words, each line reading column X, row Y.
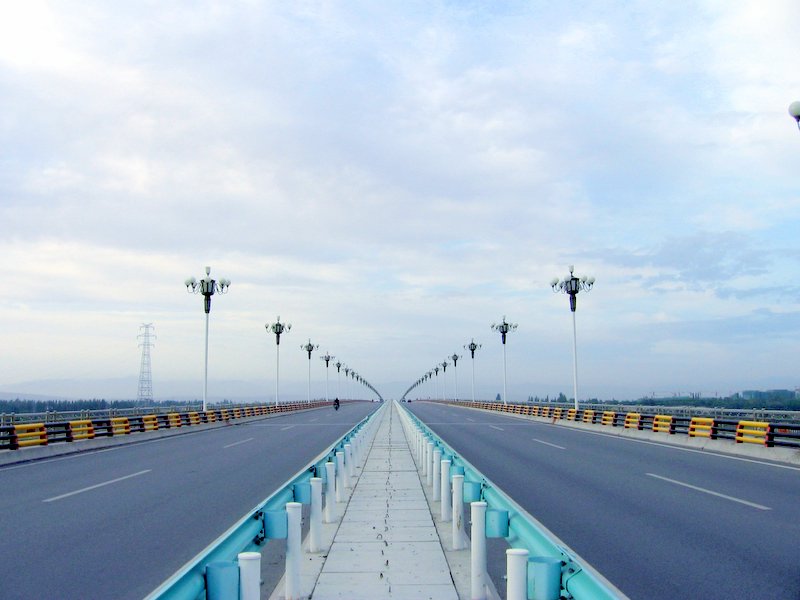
column 392, row 178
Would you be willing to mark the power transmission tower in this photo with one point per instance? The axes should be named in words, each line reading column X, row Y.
column 145, row 374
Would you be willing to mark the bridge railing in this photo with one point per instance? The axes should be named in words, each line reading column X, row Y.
column 740, row 431
column 26, row 434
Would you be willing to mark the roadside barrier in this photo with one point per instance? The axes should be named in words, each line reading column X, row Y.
column 80, row 430
column 753, row 432
column 663, row 423
column 32, row 434
column 763, row 433
column 120, row 426
column 701, row 427
column 23, row 435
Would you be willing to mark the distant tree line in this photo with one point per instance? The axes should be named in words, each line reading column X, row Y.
column 41, row 406
column 747, row 400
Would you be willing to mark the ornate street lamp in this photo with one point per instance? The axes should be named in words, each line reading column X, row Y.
column 472, row 346
column 455, row 358
column 327, row 358
column 207, row 287
column 277, row 328
column 339, row 366
column 794, row 111
column 571, row 285
column 309, row 347
column 444, row 380
column 504, row 328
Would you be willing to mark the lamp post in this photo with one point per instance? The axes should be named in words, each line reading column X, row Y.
column 207, row 287
column 436, row 382
column 472, row 346
column 455, row 358
column 794, row 111
column 571, row 285
column 444, row 380
column 309, row 347
column 338, row 366
column 327, row 358
column 353, row 375
column 504, row 328
column 278, row 328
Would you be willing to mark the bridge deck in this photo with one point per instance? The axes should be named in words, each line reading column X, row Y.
column 385, row 545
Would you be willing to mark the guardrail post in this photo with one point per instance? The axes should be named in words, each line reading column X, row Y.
column 330, row 490
column 315, row 523
column 458, row 513
column 348, row 463
column 249, row 575
column 429, row 464
column 293, row 550
column 340, row 476
column 426, row 461
column 517, row 574
column 478, row 551
column 444, row 484
column 437, row 465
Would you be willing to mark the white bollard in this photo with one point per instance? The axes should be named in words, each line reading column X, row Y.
column 315, row 522
column 444, row 484
column 330, row 491
column 516, row 574
column 294, row 512
column 429, row 464
column 340, row 476
column 348, row 463
column 437, row 465
column 249, row 575
column 425, row 459
column 478, row 551
column 459, row 543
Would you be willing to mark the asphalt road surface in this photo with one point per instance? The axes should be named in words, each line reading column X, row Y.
column 115, row 523
column 658, row 521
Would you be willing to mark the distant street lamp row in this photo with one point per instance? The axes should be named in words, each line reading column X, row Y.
column 208, row 287
column 570, row 285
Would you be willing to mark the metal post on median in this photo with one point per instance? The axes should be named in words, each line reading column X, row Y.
column 517, row 574
column 249, row 575
column 458, row 513
column 294, row 511
column 315, row 522
column 340, row 475
column 429, row 464
column 348, row 463
column 330, row 491
column 444, row 484
column 478, row 551
column 437, row 465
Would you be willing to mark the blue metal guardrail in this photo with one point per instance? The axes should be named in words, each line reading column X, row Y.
column 579, row 580
column 248, row 533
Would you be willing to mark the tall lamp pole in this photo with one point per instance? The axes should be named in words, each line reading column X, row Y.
column 207, row 287
column 444, row 380
column 571, row 285
column 338, row 366
column 278, row 328
column 455, row 358
column 504, row 328
column 472, row 346
column 327, row 358
column 309, row 347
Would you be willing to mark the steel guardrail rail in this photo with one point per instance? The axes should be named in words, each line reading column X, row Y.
column 579, row 579
column 249, row 533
